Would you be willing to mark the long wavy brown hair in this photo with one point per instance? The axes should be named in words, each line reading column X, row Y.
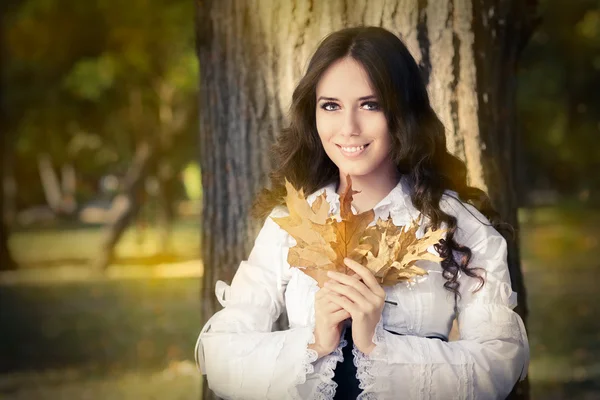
column 418, row 139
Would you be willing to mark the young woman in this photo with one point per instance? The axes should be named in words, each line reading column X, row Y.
column 362, row 110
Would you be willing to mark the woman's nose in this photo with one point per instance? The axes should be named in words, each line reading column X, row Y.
column 350, row 125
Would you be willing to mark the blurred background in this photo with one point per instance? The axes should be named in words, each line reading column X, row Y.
column 99, row 297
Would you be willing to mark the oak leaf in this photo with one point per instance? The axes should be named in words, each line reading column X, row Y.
column 393, row 251
column 350, row 230
column 323, row 241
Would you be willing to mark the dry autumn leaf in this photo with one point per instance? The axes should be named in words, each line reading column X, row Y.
column 311, row 228
column 322, row 242
column 350, row 230
column 392, row 251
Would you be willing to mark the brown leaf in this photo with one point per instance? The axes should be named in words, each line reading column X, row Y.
column 308, row 225
column 396, row 249
column 350, row 229
column 322, row 242
column 417, row 250
column 313, row 232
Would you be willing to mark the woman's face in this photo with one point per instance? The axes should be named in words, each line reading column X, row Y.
column 352, row 126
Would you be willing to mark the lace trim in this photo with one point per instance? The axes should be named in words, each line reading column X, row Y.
column 471, row 384
column 325, row 390
column 505, row 331
column 427, row 371
column 327, row 387
column 371, row 369
column 504, row 323
column 466, row 376
column 310, row 356
column 497, row 293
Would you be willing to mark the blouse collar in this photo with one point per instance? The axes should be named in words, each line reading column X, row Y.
column 396, row 204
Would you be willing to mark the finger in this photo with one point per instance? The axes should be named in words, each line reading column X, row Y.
column 339, row 316
column 321, row 292
column 322, row 302
column 366, row 275
column 361, row 303
column 358, row 285
column 346, row 304
column 330, row 307
column 350, row 292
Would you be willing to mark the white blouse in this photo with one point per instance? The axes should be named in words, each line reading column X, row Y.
column 244, row 359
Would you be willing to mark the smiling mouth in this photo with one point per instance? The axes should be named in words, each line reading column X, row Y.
column 353, row 149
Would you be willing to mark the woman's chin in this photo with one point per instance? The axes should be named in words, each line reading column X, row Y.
column 354, row 172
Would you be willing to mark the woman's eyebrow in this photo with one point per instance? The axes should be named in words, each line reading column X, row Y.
column 371, row 96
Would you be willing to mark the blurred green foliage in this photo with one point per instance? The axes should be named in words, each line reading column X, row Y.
column 86, row 82
column 559, row 98
column 192, row 180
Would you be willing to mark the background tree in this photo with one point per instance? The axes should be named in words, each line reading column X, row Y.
column 109, row 93
column 560, row 101
column 6, row 260
column 251, row 56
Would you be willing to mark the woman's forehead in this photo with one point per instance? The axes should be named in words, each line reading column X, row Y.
column 346, row 79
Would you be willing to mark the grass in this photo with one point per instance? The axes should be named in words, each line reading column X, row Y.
column 70, row 334
column 100, row 336
column 179, row 381
column 131, row 335
column 76, row 245
column 560, row 265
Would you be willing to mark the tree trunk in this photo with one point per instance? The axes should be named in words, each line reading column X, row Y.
column 153, row 155
column 133, row 184
column 6, row 260
column 50, row 183
column 165, row 176
column 501, row 31
column 252, row 54
column 68, row 189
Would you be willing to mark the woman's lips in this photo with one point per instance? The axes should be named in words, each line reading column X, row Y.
column 354, row 154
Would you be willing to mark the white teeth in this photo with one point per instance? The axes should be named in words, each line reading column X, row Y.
column 352, row 149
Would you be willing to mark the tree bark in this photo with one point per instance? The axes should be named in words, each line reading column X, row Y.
column 166, row 204
column 7, row 263
column 6, row 260
column 153, row 155
column 132, row 187
column 50, row 182
column 252, row 54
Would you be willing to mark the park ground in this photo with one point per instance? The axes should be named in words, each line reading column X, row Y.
column 67, row 333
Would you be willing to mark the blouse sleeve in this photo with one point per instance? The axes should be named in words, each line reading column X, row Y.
column 236, row 348
column 492, row 353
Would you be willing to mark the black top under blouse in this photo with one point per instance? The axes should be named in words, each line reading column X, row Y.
column 345, row 371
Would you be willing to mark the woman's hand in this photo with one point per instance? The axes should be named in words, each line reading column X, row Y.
column 328, row 322
column 363, row 298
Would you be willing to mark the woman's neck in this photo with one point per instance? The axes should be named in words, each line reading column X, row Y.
column 372, row 189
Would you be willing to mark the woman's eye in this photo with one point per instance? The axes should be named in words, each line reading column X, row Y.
column 371, row 105
column 329, row 106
